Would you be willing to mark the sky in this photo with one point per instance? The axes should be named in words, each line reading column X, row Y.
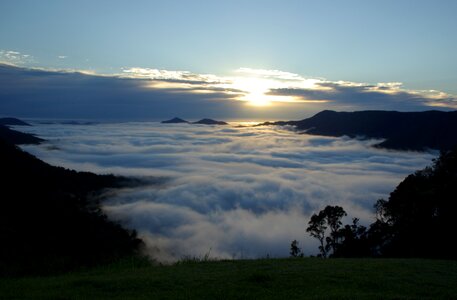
column 248, row 46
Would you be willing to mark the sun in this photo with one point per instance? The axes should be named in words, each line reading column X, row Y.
column 257, row 99
column 255, row 89
column 257, row 95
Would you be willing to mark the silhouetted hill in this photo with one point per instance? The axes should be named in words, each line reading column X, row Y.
column 174, row 120
column 50, row 218
column 401, row 130
column 210, row 122
column 77, row 123
column 419, row 216
column 18, row 138
column 13, row 121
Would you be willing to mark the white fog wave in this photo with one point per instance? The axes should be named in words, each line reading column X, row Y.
column 231, row 191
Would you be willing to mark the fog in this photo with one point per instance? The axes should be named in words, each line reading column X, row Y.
column 230, row 191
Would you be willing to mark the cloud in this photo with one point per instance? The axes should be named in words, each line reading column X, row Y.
column 48, row 94
column 148, row 94
column 274, row 74
column 14, row 57
column 385, row 96
column 173, row 76
column 239, row 191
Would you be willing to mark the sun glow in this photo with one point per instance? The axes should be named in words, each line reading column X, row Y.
column 255, row 87
column 256, row 91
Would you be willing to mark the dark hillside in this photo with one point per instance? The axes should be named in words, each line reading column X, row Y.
column 13, row 121
column 418, row 219
column 210, row 122
column 18, row 138
column 401, row 130
column 50, row 218
column 174, row 120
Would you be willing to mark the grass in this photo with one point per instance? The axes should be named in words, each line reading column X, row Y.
column 308, row 278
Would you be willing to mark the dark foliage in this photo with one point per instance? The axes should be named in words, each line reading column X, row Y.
column 329, row 217
column 353, row 241
column 419, row 219
column 50, row 218
column 401, row 130
column 295, row 250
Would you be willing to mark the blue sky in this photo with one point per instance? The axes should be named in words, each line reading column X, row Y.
column 412, row 42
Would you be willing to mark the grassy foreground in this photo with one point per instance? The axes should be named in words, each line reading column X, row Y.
column 307, row 278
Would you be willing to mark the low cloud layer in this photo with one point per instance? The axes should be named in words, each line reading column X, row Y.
column 382, row 96
column 234, row 191
column 152, row 94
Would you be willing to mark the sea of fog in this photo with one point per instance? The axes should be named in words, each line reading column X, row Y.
column 230, row 191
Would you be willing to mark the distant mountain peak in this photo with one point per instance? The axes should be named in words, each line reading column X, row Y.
column 210, row 122
column 174, row 120
column 13, row 121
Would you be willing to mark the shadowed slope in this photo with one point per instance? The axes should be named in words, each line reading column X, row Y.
column 401, row 130
column 50, row 219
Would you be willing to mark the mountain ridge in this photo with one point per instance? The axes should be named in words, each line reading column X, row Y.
column 51, row 220
column 210, row 122
column 174, row 120
column 13, row 121
column 17, row 137
column 417, row 131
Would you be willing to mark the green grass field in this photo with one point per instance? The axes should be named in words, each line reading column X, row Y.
column 308, row 278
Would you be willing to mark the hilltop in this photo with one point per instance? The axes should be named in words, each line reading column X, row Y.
column 13, row 121
column 175, row 120
column 400, row 130
column 210, row 122
column 17, row 137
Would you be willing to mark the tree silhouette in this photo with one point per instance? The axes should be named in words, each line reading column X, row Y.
column 333, row 215
column 352, row 241
column 295, row 251
column 419, row 217
column 329, row 217
column 316, row 228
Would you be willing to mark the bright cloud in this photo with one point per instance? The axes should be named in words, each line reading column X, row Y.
column 275, row 74
column 239, row 191
column 14, row 57
column 261, row 87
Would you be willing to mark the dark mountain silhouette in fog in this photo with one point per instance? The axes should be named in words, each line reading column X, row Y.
column 13, row 121
column 175, row 120
column 210, row 122
column 50, row 218
column 401, row 130
column 17, row 137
